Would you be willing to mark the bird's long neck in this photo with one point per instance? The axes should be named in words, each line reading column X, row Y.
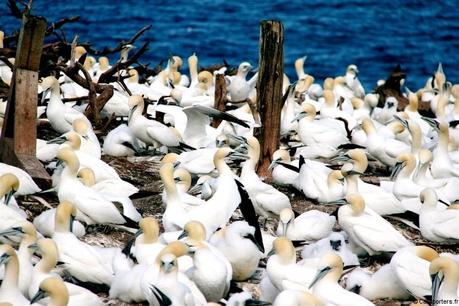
column 413, row 106
column 193, row 71
column 408, row 169
column 369, row 129
column 55, row 93
column 170, row 187
column 416, row 139
column 10, row 280
column 71, row 169
column 361, row 165
column 443, row 141
column 136, row 112
column 242, row 74
column 221, row 166
column 254, row 156
column 450, row 282
column 352, row 184
column 422, row 172
column 139, row 109
column 27, row 241
column 47, row 262
column 62, row 222
column 441, row 105
column 299, row 69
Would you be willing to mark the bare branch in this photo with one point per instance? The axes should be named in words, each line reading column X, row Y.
column 122, row 65
column 14, row 9
column 51, row 30
column 60, row 23
column 92, row 95
column 75, row 99
column 120, row 45
column 7, row 62
column 105, row 91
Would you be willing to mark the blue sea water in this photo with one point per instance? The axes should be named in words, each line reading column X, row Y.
column 374, row 34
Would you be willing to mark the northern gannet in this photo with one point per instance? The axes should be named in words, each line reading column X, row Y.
column 311, row 225
column 325, row 284
column 241, row 236
column 367, row 229
column 267, row 200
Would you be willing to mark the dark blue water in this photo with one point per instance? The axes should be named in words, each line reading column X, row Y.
column 374, row 34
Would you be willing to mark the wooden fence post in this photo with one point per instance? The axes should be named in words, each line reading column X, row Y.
column 269, row 90
column 220, row 97
column 19, row 132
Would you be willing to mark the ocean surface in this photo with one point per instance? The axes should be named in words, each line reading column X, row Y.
column 373, row 34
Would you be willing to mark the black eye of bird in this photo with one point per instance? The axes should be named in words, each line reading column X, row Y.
column 356, row 289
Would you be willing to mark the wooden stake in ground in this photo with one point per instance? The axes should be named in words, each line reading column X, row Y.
column 19, row 132
column 220, row 97
column 269, row 90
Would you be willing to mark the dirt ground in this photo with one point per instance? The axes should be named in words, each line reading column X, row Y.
column 143, row 173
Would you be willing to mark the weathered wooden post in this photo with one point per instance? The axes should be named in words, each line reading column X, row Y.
column 269, row 90
column 220, row 96
column 19, row 136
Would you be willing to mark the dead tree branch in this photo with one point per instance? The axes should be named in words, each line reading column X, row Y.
column 120, row 45
column 49, row 31
column 6, row 61
column 105, row 77
column 97, row 103
column 60, row 23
